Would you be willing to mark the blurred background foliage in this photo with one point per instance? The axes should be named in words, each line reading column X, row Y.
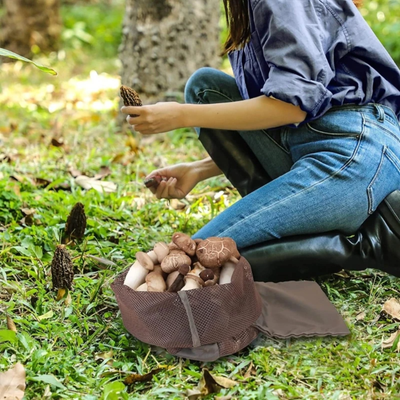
column 383, row 16
column 94, row 26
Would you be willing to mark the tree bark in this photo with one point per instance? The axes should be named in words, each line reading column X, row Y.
column 165, row 41
column 30, row 22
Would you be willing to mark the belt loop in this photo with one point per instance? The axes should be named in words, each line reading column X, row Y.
column 381, row 112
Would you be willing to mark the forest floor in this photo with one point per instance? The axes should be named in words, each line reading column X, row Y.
column 55, row 128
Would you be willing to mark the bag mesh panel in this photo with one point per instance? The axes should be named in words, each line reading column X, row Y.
column 220, row 312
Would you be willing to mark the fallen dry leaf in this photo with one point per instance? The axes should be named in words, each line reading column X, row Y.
column 392, row 339
column 250, row 371
column 90, row 183
column 360, row 316
column 133, row 378
column 57, row 142
column 211, row 383
column 12, row 383
column 392, row 308
column 104, row 171
column 11, row 326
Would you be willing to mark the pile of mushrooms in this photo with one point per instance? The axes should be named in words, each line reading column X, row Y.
column 184, row 264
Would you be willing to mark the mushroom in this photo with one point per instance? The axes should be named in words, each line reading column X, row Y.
column 62, row 271
column 207, row 275
column 185, row 243
column 155, row 281
column 76, row 222
column 226, row 272
column 130, row 97
column 178, row 283
column 139, row 270
column 193, row 280
column 173, row 246
column 160, row 250
column 171, row 278
column 154, row 181
column 216, row 251
column 142, row 288
column 173, row 261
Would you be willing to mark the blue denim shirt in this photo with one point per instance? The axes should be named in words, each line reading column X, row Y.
column 315, row 54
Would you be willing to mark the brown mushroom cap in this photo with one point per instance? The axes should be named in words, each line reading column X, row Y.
column 215, row 251
column 185, row 243
column 173, row 261
column 62, row 269
column 144, row 260
column 207, row 274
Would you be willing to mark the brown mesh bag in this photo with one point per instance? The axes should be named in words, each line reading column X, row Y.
column 208, row 323
column 191, row 318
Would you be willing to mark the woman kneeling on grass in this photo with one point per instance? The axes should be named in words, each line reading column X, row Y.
column 307, row 131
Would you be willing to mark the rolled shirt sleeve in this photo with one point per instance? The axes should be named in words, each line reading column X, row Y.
column 294, row 43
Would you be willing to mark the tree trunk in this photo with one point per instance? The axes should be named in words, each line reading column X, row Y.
column 28, row 23
column 165, row 41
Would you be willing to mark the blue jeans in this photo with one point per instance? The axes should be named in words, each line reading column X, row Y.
column 328, row 174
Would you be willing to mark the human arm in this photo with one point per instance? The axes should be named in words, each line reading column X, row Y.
column 182, row 178
column 258, row 113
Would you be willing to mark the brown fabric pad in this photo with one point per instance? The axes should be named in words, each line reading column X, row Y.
column 297, row 309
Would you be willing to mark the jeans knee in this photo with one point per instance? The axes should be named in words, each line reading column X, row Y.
column 199, row 80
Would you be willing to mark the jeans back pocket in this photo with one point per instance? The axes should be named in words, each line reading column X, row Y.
column 338, row 123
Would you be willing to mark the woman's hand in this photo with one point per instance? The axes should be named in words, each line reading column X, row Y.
column 156, row 118
column 180, row 179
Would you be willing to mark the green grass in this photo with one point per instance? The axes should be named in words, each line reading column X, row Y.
column 80, row 349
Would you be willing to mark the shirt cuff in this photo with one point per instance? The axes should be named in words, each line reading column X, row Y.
column 311, row 96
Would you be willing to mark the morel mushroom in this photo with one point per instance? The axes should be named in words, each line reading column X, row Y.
column 139, row 270
column 216, row 251
column 62, row 271
column 185, row 243
column 76, row 222
column 130, row 97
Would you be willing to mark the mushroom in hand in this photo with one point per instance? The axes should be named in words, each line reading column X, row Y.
column 62, row 271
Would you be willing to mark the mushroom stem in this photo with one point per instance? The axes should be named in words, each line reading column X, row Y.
column 193, row 280
column 179, row 280
column 136, row 275
column 226, row 272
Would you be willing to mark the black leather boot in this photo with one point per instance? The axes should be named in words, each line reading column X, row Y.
column 235, row 159
column 375, row 245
